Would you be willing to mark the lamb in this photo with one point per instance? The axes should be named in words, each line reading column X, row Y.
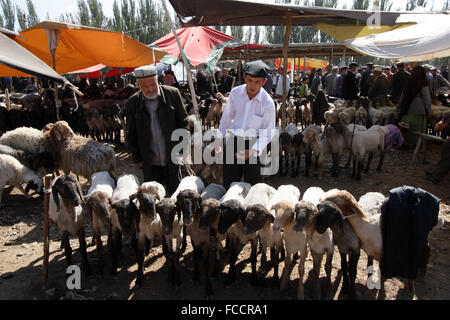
column 237, row 191
column 330, row 216
column 300, row 148
column 361, row 116
column 337, row 143
column 149, row 223
column 286, row 152
column 319, row 147
column 77, row 154
column 313, row 195
column 97, row 210
column 332, row 115
column 124, row 214
column 187, row 196
column 319, row 244
column 371, row 202
column 369, row 233
column 306, row 111
column 69, row 216
column 290, row 112
column 376, row 116
column 172, row 226
column 260, row 193
column 347, row 115
column 15, row 173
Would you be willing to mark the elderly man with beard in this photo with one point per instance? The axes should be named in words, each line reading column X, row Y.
column 152, row 114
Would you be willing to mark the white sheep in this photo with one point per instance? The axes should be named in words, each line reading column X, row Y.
column 189, row 183
column 28, row 139
column 347, row 115
column 376, row 116
column 237, row 191
column 291, row 129
column 260, row 193
column 361, row 116
column 319, row 147
column 97, row 209
column 15, row 174
column 313, row 195
column 371, row 203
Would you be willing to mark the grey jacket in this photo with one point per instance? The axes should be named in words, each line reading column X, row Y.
column 420, row 102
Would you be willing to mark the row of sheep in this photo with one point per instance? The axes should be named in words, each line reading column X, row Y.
column 314, row 143
column 279, row 219
column 27, row 154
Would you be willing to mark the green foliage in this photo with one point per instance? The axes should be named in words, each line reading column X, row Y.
column 9, row 14
column 83, row 13
column 238, row 32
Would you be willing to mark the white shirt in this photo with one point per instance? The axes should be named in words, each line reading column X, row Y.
column 279, row 88
column 244, row 117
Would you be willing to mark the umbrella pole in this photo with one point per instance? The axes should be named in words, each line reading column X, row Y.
column 189, row 77
column 285, row 62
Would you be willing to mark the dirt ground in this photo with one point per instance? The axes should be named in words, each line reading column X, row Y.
column 21, row 248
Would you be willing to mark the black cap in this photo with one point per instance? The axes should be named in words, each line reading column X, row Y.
column 318, row 69
column 256, row 69
column 401, row 64
column 369, row 64
column 353, row 64
column 344, row 68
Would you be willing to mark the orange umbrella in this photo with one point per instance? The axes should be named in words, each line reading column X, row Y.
column 299, row 63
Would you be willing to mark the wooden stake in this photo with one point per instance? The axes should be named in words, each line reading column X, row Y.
column 47, row 185
column 7, row 100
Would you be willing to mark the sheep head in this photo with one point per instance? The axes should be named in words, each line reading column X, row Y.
column 305, row 214
column 284, row 213
column 257, row 217
column 209, row 210
column 61, row 130
column 97, row 204
column 68, row 188
column 230, row 212
column 347, row 204
column 167, row 210
column 188, row 203
column 310, row 136
column 147, row 199
column 127, row 214
column 328, row 215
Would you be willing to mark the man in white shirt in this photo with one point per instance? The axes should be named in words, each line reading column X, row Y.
column 249, row 109
column 279, row 88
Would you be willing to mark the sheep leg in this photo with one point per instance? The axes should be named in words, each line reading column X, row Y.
column 301, row 272
column 82, row 241
column 23, row 191
column 197, row 256
column 369, row 161
column 67, row 249
column 254, row 277
column 235, row 248
column 99, row 243
column 210, row 254
column 317, row 262
column 328, row 267
column 184, row 243
column 360, row 167
column 354, row 168
column 353, row 269
column 380, row 164
column 344, row 269
column 216, row 267
column 274, row 258
column 308, row 162
column 140, row 259
column 285, row 277
column 115, row 245
column 264, row 264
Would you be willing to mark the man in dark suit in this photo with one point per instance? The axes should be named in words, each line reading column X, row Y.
column 226, row 83
column 350, row 88
column 399, row 81
column 152, row 114
column 366, row 80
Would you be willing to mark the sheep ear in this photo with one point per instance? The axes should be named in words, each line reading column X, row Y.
column 80, row 193
column 133, row 196
column 271, row 218
column 55, row 195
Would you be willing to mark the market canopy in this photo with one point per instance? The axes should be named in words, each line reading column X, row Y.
column 77, row 47
column 98, row 71
column 18, row 61
column 423, row 41
column 240, row 12
column 301, row 63
column 201, row 45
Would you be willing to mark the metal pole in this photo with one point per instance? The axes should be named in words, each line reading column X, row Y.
column 47, row 185
column 191, row 84
column 287, row 33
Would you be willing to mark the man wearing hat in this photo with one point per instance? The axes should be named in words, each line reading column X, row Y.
column 379, row 87
column 249, row 109
column 350, row 87
column 364, row 83
column 339, row 83
column 439, row 82
column 399, row 81
column 226, row 82
column 279, row 83
column 153, row 113
column 316, row 82
column 330, row 81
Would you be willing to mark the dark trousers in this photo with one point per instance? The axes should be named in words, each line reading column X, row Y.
column 234, row 172
column 443, row 166
column 161, row 174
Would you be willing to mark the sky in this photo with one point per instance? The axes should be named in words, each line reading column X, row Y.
column 55, row 7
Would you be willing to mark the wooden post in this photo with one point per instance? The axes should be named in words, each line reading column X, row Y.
column 7, row 100
column 47, row 186
column 304, row 65
column 287, row 33
column 191, row 84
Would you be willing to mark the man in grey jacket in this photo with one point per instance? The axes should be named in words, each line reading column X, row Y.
column 331, row 81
